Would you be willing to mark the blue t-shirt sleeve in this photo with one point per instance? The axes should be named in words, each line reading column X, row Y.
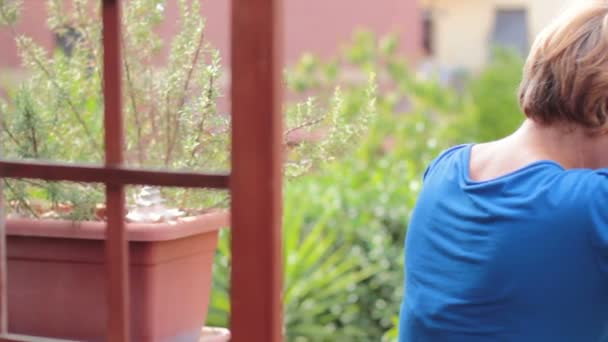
column 441, row 156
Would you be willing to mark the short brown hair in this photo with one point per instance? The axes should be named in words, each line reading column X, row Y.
column 565, row 78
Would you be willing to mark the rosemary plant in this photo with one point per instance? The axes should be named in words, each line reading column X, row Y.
column 170, row 107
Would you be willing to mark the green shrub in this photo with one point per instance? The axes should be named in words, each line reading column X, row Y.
column 485, row 109
column 171, row 114
column 320, row 294
column 494, row 96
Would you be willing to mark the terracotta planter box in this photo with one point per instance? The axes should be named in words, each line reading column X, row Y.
column 56, row 283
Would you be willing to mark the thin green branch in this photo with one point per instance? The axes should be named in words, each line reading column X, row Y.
column 10, row 134
column 201, row 125
column 306, row 124
column 133, row 103
column 20, row 199
column 182, row 101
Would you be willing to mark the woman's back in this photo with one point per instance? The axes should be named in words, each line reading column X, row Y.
column 521, row 257
column 521, row 252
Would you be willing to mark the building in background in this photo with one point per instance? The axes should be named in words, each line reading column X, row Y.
column 317, row 26
column 460, row 35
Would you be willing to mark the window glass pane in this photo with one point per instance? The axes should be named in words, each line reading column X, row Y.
column 511, row 30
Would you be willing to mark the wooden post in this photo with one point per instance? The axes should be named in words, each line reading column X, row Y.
column 257, row 141
column 117, row 257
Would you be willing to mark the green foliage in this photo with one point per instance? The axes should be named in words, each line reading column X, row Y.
column 370, row 197
column 393, row 334
column 9, row 11
column 490, row 109
column 345, row 127
column 320, row 294
column 171, row 114
column 494, row 94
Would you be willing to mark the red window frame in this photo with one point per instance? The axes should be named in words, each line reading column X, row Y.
column 254, row 182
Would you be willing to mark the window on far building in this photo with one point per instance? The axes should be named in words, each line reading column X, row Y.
column 427, row 33
column 511, row 30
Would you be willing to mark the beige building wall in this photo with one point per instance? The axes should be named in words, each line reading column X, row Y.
column 463, row 28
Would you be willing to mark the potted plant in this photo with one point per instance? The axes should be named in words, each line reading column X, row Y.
column 55, row 231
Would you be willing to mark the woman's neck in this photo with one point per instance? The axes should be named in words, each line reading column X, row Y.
column 570, row 147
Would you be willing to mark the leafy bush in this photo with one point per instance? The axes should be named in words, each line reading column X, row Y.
column 171, row 113
column 320, row 294
column 493, row 104
column 494, row 93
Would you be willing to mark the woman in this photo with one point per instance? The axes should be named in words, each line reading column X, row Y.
column 509, row 239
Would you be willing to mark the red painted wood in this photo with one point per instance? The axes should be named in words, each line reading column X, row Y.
column 114, row 175
column 170, row 279
column 255, row 182
column 256, row 286
column 3, row 267
column 117, row 257
column 21, row 338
